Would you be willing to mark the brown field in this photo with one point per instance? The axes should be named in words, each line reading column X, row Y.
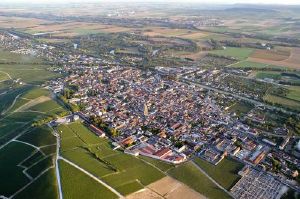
column 294, row 57
column 166, row 32
column 17, row 22
column 194, row 35
column 195, row 56
column 273, row 55
column 75, row 28
column 293, row 61
column 166, row 188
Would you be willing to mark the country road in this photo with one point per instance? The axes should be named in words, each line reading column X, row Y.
column 185, row 80
column 55, row 133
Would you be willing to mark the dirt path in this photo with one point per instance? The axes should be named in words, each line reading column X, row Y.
column 32, row 103
column 8, row 75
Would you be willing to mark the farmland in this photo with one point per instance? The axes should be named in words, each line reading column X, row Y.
column 12, row 179
column 123, row 172
column 289, row 103
column 167, row 80
column 224, row 173
column 29, row 173
column 273, row 55
column 238, row 53
column 44, row 187
column 255, row 65
column 73, row 187
column 191, row 176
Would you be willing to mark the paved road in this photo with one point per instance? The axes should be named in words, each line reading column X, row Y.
column 185, row 80
column 94, row 177
column 55, row 133
column 217, row 184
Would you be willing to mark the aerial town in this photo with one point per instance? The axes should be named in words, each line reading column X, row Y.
column 176, row 113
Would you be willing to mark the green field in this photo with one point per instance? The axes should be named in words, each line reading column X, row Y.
column 32, row 161
column 240, row 108
column 8, row 57
column 164, row 166
column 47, row 107
column 239, row 53
column 7, row 100
column 39, row 136
column 76, row 184
column 45, row 187
column 191, row 176
column 35, row 93
column 294, row 93
column 40, row 166
column 15, row 124
column 256, row 65
column 12, row 179
column 94, row 154
column 268, row 74
column 225, row 173
column 283, row 101
column 29, row 74
column 3, row 76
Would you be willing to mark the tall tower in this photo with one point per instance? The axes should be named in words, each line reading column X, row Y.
column 146, row 112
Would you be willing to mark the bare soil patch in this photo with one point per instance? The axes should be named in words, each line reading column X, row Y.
column 168, row 188
column 272, row 55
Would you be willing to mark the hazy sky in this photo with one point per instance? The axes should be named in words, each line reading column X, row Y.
column 200, row 1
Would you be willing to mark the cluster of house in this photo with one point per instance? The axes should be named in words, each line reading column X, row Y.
column 154, row 116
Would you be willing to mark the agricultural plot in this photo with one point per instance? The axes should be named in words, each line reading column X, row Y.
column 225, row 173
column 123, row 172
column 273, row 55
column 46, row 107
column 39, row 136
column 238, row 53
column 283, row 101
column 292, row 61
column 166, row 32
column 19, row 22
column 35, row 93
column 191, row 176
column 28, row 74
column 3, row 76
column 240, row 108
column 164, row 166
column 45, row 187
column 255, row 65
column 15, row 124
column 294, row 93
column 12, row 178
column 35, row 169
column 76, row 184
column 269, row 75
column 71, row 29
column 9, row 57
column 7, row 100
